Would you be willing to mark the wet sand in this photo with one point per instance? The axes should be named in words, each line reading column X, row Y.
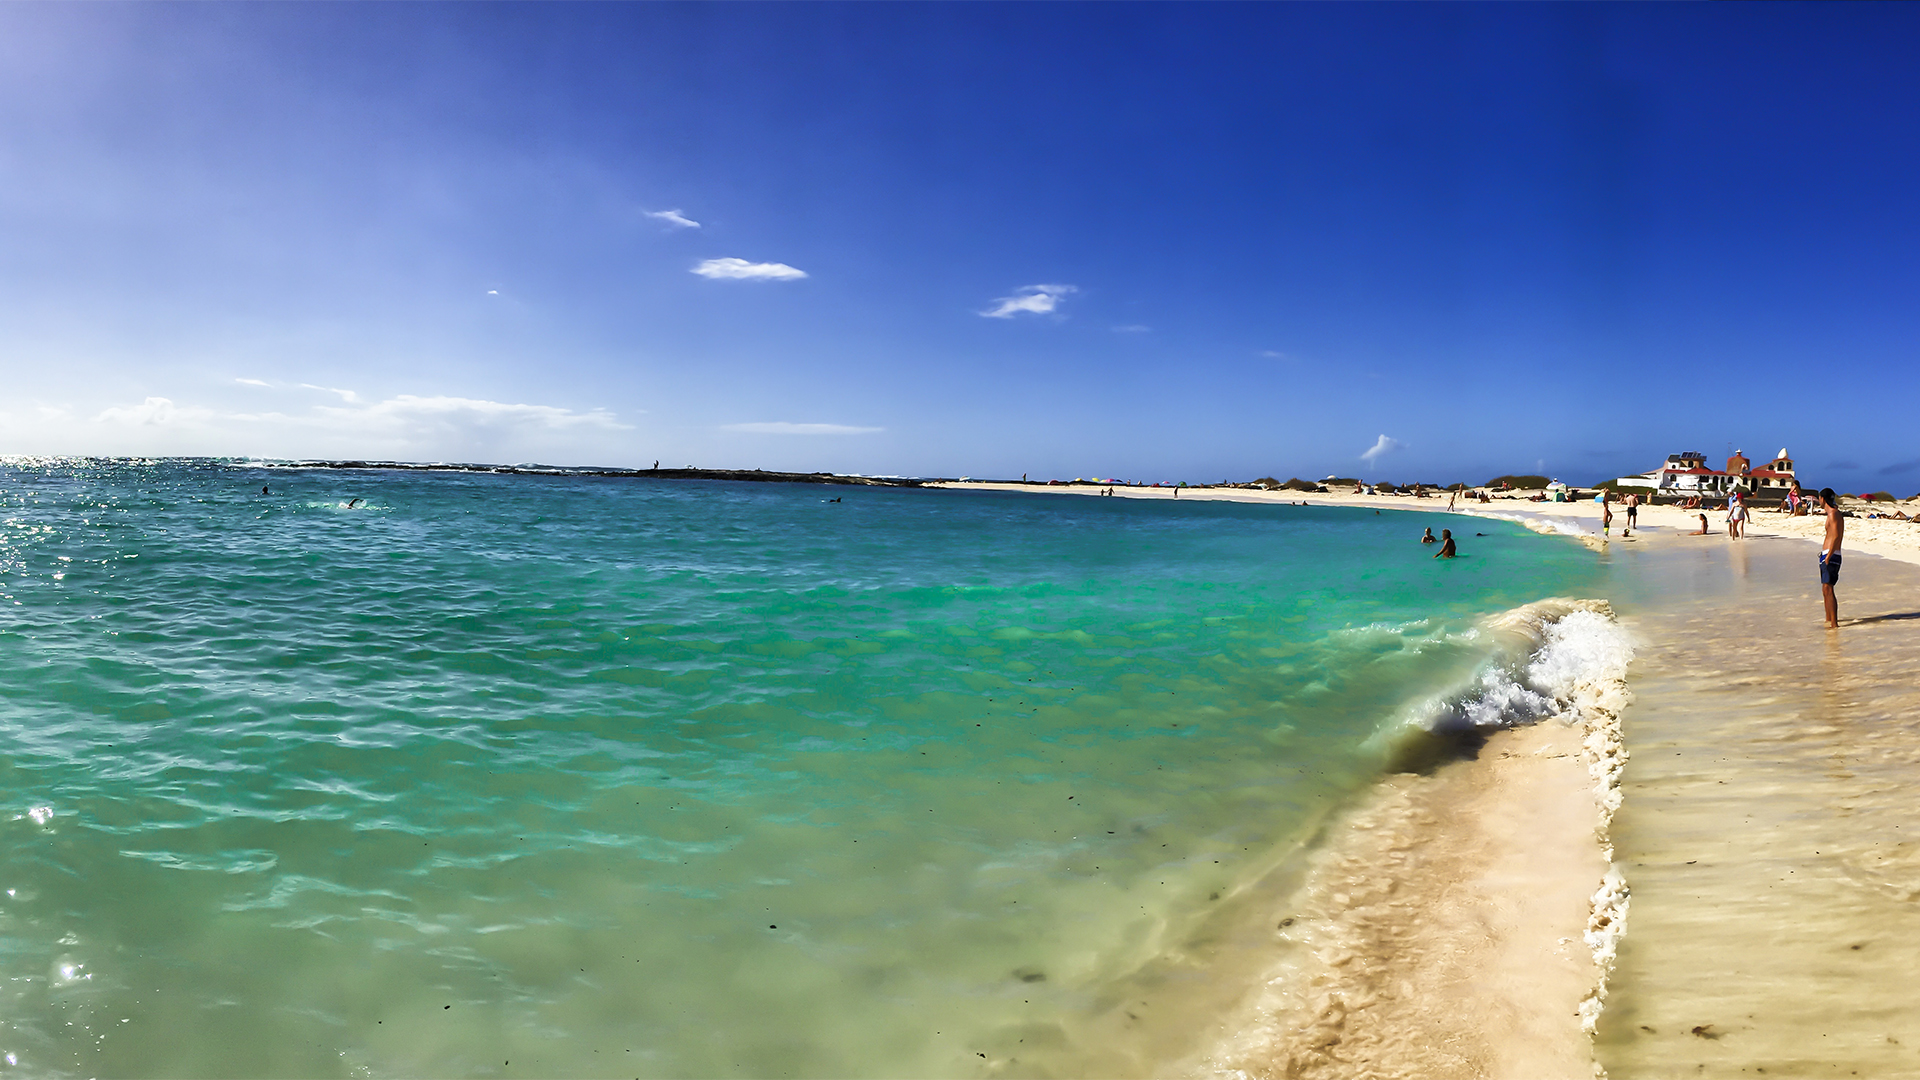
column 1771, row 823
column 1440, row 937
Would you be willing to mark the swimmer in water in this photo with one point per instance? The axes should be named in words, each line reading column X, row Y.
column 350, row 503
column 1427, row 537
column 264, row 491
column 1446, row 545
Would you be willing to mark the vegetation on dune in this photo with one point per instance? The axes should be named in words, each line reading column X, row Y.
column 1520, row 481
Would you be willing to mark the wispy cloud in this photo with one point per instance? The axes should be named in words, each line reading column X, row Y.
column 1274, row 354
column 1031, row 300
column 742, row 270
column 347, row 396
column 782, row 427
column 1900, row 467
column 1382, row 446
column 253, row 382
column 673, row 217
column 410, row 408
column 1132, row 328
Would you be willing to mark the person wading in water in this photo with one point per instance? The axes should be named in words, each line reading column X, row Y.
column 1830, row 555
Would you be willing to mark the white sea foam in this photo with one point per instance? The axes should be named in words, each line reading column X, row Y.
column 1365, row 929
column 1560, row 654
column 1575, row 671
column 1550, row 525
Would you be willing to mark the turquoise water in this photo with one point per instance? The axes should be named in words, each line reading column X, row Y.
column 562, row 776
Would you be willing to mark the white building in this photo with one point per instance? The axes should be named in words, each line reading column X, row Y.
column 1687, row 474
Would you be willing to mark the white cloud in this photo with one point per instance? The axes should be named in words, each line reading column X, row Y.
column 1032, row 299
column 781, row 427
column 1381, row 447
column 411, row 409
column 1133, row 328
column 673, row 217
column 405, row 427
column 347, row 396
column 1274, row 354
column 742, row 270
column 253, row 382
column 152, row 412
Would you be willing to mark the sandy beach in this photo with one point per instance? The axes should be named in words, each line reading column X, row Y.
column 1463, row 922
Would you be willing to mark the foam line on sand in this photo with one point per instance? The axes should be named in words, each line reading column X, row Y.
column 1463, row 922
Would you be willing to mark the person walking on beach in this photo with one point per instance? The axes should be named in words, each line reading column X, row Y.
column 1606, row 512
column 1633, row 514
column 1736, row 517
column 1446, row 545
column 1830, row 555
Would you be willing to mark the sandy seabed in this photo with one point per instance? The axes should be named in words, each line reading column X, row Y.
column 1462, row 923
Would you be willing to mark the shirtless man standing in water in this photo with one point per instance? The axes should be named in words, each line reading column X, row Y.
column 1830, row 555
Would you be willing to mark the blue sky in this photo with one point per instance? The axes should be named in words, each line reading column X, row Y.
column 1167, row 242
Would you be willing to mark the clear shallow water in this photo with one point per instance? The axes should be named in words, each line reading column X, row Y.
column 563, row 776
column 1768, row 827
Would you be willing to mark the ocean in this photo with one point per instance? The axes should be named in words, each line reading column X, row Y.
column 497, row 775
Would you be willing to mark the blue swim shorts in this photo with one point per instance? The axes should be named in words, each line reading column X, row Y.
column 1830, row 569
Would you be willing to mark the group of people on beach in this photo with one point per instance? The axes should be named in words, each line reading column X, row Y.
column 1829, row 505
column 1736, row 517
column 1631, row 506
